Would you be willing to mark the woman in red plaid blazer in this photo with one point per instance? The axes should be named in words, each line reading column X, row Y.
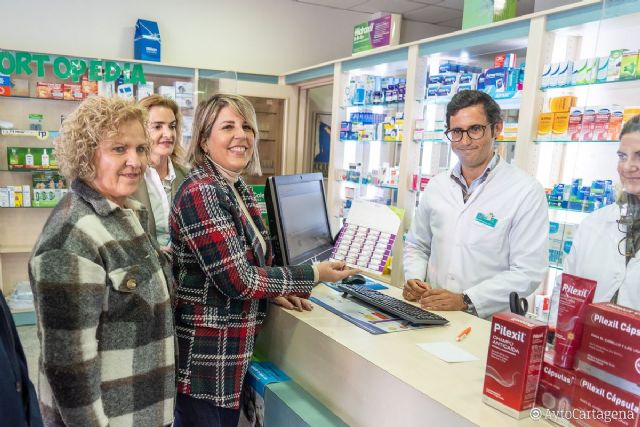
column 222, row 264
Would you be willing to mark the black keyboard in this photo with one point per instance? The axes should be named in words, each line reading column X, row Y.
column 393, row 305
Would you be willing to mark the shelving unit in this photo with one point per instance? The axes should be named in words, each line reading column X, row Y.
column 20, row 227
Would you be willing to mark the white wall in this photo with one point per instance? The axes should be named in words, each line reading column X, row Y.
column 260, row 36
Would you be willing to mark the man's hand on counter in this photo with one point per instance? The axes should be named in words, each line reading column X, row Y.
column 414, row 289
column 442, row 300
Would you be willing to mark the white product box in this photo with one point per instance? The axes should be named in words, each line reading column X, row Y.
column 546, row 72
column 4, row 197
column 167, row 91
column 144, row 90
column 26, row 196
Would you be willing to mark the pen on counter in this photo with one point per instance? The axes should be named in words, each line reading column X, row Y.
column 463, row 333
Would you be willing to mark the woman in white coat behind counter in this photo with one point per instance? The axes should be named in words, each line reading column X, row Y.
column 605, row 246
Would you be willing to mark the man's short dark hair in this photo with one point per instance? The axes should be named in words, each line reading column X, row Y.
column 469, row 98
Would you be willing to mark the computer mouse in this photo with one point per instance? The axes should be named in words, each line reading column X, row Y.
column 356, row 279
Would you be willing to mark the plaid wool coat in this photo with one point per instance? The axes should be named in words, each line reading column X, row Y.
column 104, row 316
column 223, row 283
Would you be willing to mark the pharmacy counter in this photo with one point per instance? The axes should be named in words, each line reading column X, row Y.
column 383, row 380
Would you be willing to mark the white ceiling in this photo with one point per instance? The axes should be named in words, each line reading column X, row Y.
column 445, row 13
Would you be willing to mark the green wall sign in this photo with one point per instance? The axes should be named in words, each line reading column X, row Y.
column 64, row 68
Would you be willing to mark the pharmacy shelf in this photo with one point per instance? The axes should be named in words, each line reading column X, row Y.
column 38, row 134
column 567, row 141
column 373, row 140
column 509, row 102
column 609, row 84
column 380, row 104
column 30, row 170
column 26, row 207
column 15, row 249
column 40, row 99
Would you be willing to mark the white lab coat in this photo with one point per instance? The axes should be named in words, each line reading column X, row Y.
column 594, row 255
column 449, row 248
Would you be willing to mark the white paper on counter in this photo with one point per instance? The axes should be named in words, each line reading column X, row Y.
column 447, row 351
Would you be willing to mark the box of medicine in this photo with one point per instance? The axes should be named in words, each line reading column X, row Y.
column 146, row 41
column 514, row 363
column 553, row 75
column 4, row 197
column 609, row 347
column 575, row 121
column 587, row 125
column 49, row 90
column 556, row 230
column 598, row 403
column 560, row 126
column 167, row 91
column 555, row 391
column 601, row 123
column 562, row 104
column 628, row 65
column 72, row 91
column 603, row 66
column 144, row 90
column 545, row 124
column 26, row 196
column 565, row 72
column 629, row 112
column 615, row 123
column 546, row 73
column 615, row 64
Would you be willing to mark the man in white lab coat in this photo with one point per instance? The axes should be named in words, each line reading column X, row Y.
column 481, row 230
column 605, row 247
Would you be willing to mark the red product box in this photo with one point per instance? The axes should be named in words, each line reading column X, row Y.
column 601, row 124
column 555, row 391
column 588, row 124
column 49, row 90
column 89, row 87
column 575, row 124
column 610, row 347
column 72, row 91
column 599, row 404
column 514, row 363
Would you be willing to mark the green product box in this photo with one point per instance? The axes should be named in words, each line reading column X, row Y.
column 50, row 180
column 19, row 158
column 628, row 65
column 258, row 192
column 482, row 12
column 47, row 198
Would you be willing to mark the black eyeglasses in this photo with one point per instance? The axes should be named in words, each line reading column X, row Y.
column 626, row 245
column 474, row 132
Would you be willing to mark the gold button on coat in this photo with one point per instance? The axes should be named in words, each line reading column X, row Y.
column 131, row 284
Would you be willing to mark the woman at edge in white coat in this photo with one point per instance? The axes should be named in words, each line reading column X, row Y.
column 605, row 249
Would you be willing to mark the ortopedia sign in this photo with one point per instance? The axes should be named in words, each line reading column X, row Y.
column 25, row 63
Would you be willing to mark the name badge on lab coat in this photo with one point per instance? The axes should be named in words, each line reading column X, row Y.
column 489, row 220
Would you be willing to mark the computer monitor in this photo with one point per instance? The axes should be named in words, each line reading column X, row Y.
column 298, row 220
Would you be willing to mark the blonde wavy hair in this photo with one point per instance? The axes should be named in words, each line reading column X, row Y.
column 206, row 115
column 178, row 155
column 96, row 119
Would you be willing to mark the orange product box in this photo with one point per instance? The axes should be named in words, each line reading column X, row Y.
column 615, row 122
column 89, row 87
column 72, row 91
column 560, row 124
column 562, row 104
column 545, row 124
column 629, row 112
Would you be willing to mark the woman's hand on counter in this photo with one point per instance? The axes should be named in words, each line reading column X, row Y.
column 294, row 303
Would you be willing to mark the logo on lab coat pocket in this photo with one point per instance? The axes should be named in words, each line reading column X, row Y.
column 487, row 219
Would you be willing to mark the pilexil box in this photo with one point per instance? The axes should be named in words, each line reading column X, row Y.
column 555, row 391
column 599, row 404
column 514, row 363
column 146, row 41
column 610, row 349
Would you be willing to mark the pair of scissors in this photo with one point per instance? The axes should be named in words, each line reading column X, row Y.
column 518, row 305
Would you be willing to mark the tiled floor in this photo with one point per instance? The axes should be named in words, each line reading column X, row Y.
column 31, row 346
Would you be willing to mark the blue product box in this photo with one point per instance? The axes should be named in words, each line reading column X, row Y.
column 450, row 79
column 259, row 376
column 432, row 89
column 5, row 80
column 146, row 41
column 482, row 78
column 344, row 135
column 449, row 67
column 444, row 90
column 345, row 126
column 435, row 78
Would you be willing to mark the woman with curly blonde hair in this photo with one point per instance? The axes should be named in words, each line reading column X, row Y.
column 100, row 282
